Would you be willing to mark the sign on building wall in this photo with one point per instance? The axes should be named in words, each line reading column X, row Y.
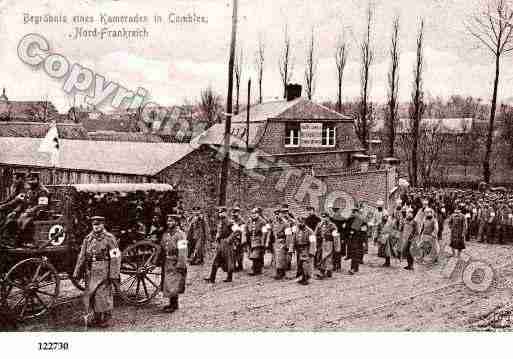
column 311, row 134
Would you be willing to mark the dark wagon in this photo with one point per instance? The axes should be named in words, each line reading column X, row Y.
column 32, row 277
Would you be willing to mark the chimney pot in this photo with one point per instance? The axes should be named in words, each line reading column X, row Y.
column 293, row 91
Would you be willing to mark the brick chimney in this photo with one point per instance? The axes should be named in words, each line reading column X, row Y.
column 293, row 91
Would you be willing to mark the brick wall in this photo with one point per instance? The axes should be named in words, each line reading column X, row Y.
column 196, row 178
column 273, row 139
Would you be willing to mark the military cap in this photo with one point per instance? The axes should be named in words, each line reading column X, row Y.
column 97, row 219
column 310, row 208
column 196, row 208
column 33, row 177
column 174, row 216
column 335, row 208
column 255, row 210
column 221, row 209
column 19, row 175
column 235, row 208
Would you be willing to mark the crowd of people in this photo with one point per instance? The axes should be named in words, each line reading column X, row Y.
column 315, row 245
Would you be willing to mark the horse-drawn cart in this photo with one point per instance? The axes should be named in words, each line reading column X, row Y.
column 32, row 277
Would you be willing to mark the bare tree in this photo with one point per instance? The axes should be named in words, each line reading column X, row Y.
column 432, row 143
column 492, row 27
column 210, row 106
column 391, row 116
column 259, row 62
column 367, row 57
column 286, row 62
column 238, row 75
column 310, row 67
column 417, row 106
column 341, row 52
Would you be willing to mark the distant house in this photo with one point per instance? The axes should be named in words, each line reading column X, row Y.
column 28, row 111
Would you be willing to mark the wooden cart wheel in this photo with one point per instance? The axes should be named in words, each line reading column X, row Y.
column 31, row 288
column 140, row 273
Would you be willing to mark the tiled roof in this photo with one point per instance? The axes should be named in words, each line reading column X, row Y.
column 137, row 158
column 39, row 130
column 124, row 136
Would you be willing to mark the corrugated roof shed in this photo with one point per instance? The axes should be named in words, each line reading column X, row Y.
column 137, row 158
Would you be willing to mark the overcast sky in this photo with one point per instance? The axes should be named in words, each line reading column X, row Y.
column 177, row 61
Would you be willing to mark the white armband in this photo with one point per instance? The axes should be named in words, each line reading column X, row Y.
column 467, row 215
column 288, row 231
column 265, row 229
column 334, row 233
column 294, row 229
column 492, row 214
column 312, row 238
column 115, row 253
column 235, row 228
column 182, row 244
column 510, row 215
column 42, row 201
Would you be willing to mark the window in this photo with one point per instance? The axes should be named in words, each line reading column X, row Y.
column 292, row 135
column 328, row 135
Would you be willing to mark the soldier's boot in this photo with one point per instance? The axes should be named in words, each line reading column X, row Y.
column 321, row 275
column 229, row 277
column 173, row 305
column 304, row 280
column 328, row 274
column 387, row 262
column 280, row 274
column 104, row 320
column 254, row 267
column 213, row 273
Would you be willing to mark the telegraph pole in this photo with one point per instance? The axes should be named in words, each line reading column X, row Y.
column 228, row 124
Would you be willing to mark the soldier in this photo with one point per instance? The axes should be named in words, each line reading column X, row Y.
column 357, row 236
column 457, row 224
column 339, row 222
column 224, row 256
column 376, row 221
column 483, row 218
column 256, row 230
column 174, row 266
column 98, row 262
column 330, row 243
column 239, row 240
column 292, row 224
column 491, row 226
column 281, row 231
column 198, row 234
column 429, row 233
column 36, row 201
column 410, row 230
column 155, row 230
column 304, row 244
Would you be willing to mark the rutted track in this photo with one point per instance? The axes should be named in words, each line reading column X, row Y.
column 375, row 299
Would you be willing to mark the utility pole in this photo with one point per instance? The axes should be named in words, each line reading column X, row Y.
column 228, row 124
column 247, row 116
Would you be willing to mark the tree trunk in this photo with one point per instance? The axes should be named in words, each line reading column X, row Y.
column 339, row 102
column 489, row 138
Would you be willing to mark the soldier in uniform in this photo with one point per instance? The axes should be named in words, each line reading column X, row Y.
column 304, row 244
column 224, row 256
column 337, row 219
column 311, row 221
column 36, row 201
column 281, row 231
column 410, row 230
column 98, row 262
column 483, row 218
column 330, row 243
column 376, row 222
column 256, row 230
column 198, row 235
column 358, row 236
column 457, row 224
column 174, row 266
column 429, row 233
column 239, row 241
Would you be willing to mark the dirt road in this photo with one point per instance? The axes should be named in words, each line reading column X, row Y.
column 375, row 299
